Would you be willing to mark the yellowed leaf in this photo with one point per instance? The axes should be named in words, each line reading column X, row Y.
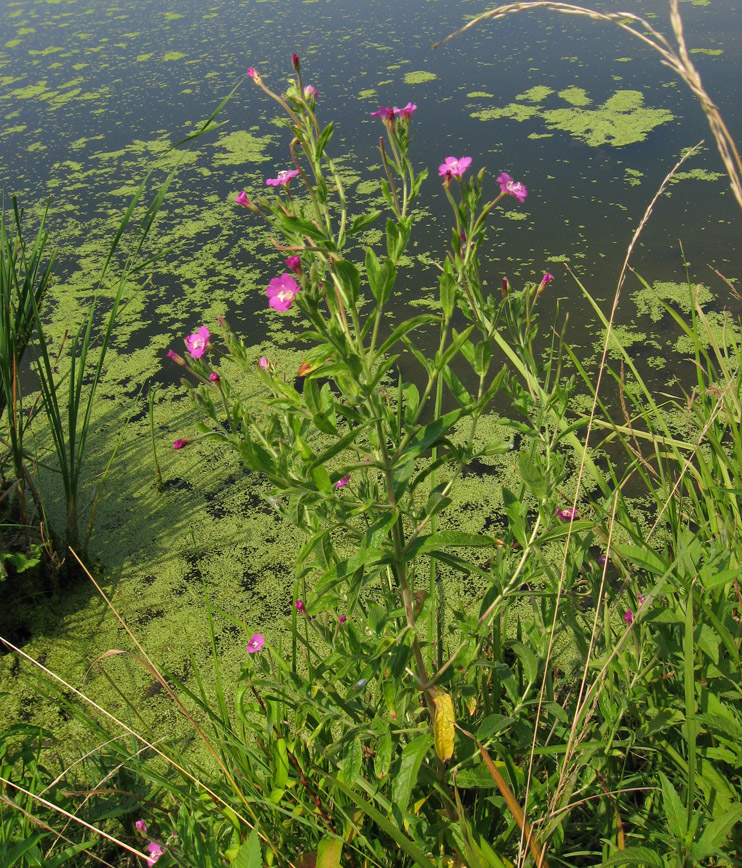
column 443, row 724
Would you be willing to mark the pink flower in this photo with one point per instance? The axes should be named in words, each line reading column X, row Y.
column 513, row 188
column 257, row 640
column 254, row 75
column 567, row 514
column 601, row 559
column 629, row 616
column 220, row 320
column 341, row 483
column 141, row 826
column 155, row 851
column 295, row 61
column 179, row 360
column 243, row 200
column 310, row 91
column 640, row 600
column 264, row 364
column 198, row 342
column 405, row 112
column 182, row 443
column 545, row 281
column 214, row 377
column 300, row 607
column 342, row 619
column 294, row 263
column 281, row 291
column 385, row 113
column 453, row 167
column 283, row 178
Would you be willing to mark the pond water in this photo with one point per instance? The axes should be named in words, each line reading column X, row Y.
column 586, row 116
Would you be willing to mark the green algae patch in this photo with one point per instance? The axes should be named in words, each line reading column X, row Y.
column 239, row 147
column 369, row 93
column 419, row 77
column 173, row 55
column 719, row 327
column 650, row 301
column 621, row 120
column 713, row 52
column 697, row 175
column 575, row 96
column 480, row 94
column 633, row 177
column 536, row 94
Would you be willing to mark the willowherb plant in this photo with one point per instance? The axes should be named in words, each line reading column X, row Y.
column 376, row 728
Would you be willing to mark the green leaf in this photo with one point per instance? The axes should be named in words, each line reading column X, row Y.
column 363, row 221
column 641, row 856
column 248, row 856
column 532, row 475
column 674, row 810
column 351, row 763
column 432, row 433
column 383, row 757
column 716, row 832
column 329, row 851
column 409, row 765
column 350, row 280
column 492, row 724
column 323, row 139
column 403, row 329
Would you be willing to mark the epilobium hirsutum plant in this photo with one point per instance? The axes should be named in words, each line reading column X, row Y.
column 374, row 733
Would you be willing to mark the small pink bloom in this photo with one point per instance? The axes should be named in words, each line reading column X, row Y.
column 567, row 514
column 341, row 483
column 310, row 91
column 545, row 281
column 640, row 600
column 342, row 619
column 155, row 851
column 198, row 342
column 257, row 640
column 264, row 364
column 182, row 443
column 220, row 320
column 294, row 263
column 243, row 200
column 405, row 112
column 214, row 377
column 141, row 826
column 254, row 75
column 300, row 607
column 629, row 616
column 511, row 187
column 385, row 113
column 179, row 360
column 283, row 178
column 453, row 167
column 295, row 61
column 601, row 559
column 281, row 291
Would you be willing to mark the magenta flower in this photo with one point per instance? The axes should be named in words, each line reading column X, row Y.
column 198, row 342
column 179, row 360
column 310, row 91
column 214, row 377
column 281, row 291
column 300, row 607
column 295, row 61
column 182, row 443
column 264, row 364
column 342, row 619
column 220, row 320
column 405, row 112
column 283, row 178
column 254, row 75
column 453, row 167
column 294, row 263
column 243, row 200
column 257, row 640
column 341, row 483
column 511, row 187
column 385, row 113
column 640, row 600
column 567, row 514
column 545, row 281
column 155, row 851
column 141, row 826
column 601, row 560
column 629, row 616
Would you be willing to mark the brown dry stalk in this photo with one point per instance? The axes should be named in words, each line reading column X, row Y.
column 678, row 59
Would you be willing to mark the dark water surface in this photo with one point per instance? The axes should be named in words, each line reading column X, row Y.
column 585, row 115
